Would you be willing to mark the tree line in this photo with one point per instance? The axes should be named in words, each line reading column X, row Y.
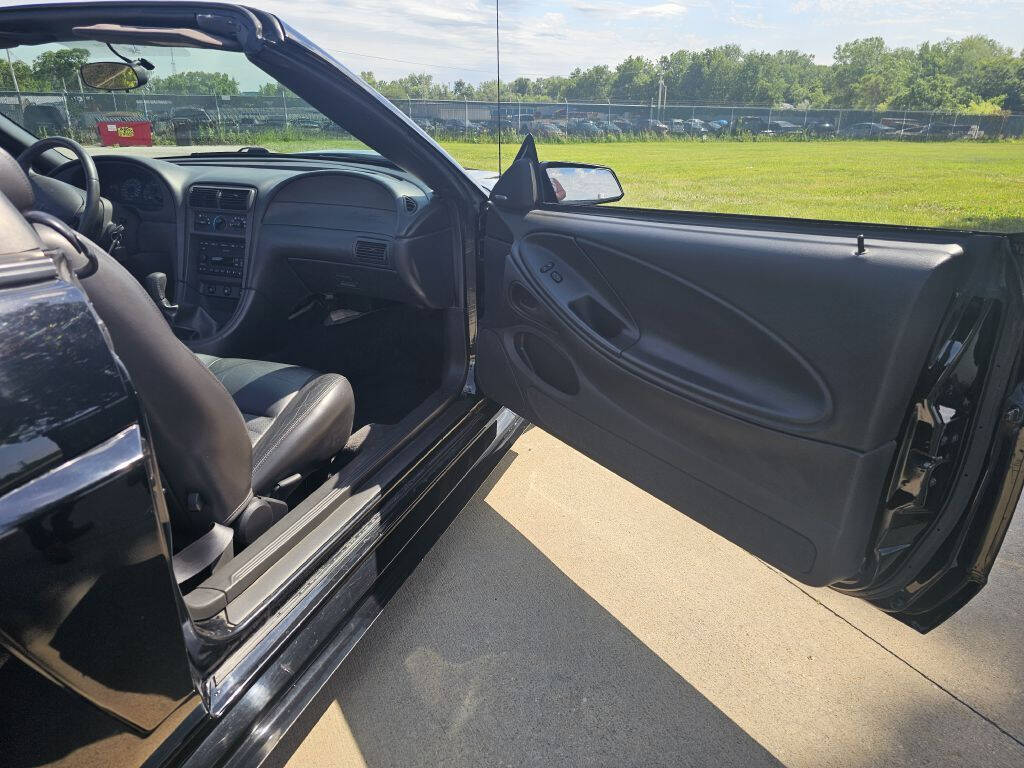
column 975, row 74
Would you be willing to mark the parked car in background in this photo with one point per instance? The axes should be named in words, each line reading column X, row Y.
column 45, row 119
column 865, row 131
column 718, row 126
column 425, row 123
column 609, row 128
column 585, row 128
column 546, row 130
column 752, row 124
column 784, row 127
column 625, row 126
column 821, row 128
column 942, row 132
column 690, row 127
column 652, row 126
column 507, row 125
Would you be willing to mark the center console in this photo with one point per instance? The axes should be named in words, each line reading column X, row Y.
column 220, row 222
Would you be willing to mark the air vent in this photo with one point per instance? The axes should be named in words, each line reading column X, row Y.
column 410, row 204
column 203, row 197
column 220, row 198
column 371, row 252
column 235, row 199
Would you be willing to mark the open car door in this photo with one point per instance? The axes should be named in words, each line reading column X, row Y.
column 840, row 400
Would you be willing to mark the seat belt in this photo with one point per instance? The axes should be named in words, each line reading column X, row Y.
column 203, row 552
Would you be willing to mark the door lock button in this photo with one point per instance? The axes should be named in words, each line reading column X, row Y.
column 556, row 276
column 547, row 267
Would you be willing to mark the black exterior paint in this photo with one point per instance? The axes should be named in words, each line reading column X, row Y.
column 66, row 394
column 84, row 568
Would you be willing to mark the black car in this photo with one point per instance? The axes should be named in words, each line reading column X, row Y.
column 753, row 125
column 821, row 128
column 224, row 448
column 866, row 131
column 784, row 127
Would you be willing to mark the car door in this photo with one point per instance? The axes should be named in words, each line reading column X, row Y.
column 840, row 400
column 87, row 595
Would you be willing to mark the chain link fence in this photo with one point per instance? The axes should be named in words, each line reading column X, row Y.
column 210, row 119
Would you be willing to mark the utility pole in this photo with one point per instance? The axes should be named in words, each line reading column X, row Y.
column 17, row 90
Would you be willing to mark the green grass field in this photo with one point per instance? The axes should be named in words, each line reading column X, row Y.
column 972, row 185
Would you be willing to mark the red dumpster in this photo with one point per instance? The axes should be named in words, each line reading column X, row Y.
column 125, row 133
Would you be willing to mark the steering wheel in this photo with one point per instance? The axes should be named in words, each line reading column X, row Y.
column 68, row 203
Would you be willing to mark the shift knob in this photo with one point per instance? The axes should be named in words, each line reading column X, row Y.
column 156, row 287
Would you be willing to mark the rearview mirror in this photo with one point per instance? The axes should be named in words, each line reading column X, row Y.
column 113, row 75
column 577, row 184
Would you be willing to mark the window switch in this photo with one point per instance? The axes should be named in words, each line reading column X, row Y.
column 547, row 267
column 556, row 276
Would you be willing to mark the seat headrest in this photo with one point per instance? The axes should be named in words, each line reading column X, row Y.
column 14, row 183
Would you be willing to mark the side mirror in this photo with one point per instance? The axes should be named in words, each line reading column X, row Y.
column 577, row 184
column 113, row 75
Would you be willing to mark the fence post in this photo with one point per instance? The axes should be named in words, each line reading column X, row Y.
column 284, row 101
column 1002, row 128
column 465, row 126
column 566, row 117
column 17, row 90
column 67, row 112
column 839, row 121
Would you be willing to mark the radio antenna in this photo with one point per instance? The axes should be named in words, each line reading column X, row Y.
column 497, row 50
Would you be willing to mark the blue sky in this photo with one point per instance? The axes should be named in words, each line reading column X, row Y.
column 455, row 38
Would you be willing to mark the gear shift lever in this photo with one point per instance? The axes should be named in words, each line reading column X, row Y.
column 156, row 287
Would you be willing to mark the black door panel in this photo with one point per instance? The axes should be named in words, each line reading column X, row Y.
column 756, row 378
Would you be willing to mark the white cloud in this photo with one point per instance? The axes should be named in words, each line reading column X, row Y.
column 619, row 10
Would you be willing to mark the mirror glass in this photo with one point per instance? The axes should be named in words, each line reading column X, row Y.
column 111, row 76
column 583, row 184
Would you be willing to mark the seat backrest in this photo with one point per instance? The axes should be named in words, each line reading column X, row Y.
column 202, row 445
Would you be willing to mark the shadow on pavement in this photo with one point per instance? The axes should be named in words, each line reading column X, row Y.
column 490, row 655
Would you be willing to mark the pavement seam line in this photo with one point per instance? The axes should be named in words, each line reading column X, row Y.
column 896, row 656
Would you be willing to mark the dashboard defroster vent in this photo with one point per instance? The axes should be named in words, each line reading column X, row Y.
column 410, row 204
column 371, row 252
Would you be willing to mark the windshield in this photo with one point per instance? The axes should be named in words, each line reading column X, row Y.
column 195, row 100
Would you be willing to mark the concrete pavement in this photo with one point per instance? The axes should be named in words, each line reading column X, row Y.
column 567, row 618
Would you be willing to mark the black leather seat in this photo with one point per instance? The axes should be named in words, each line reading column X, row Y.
column 296, row 417
column 226, row 431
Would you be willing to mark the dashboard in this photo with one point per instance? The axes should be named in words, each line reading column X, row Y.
column 248, row 242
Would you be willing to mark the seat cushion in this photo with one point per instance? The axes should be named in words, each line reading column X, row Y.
column 296, row 417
